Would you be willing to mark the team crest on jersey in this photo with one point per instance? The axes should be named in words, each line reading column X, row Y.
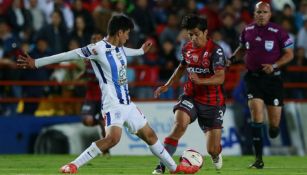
column 268, row 45
column 122, row 76
column 195, row 58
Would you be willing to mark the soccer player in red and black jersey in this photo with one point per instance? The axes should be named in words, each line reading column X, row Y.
column 90, row 111
column 203, row 97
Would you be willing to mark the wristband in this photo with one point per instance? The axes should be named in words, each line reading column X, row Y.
column 274, row 66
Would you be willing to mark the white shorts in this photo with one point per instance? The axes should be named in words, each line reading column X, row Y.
column 125, row 115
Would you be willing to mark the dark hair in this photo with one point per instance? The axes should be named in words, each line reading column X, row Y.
column 119, row 22
column 193, row 21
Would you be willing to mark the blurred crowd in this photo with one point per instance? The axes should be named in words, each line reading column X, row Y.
column 46, row 27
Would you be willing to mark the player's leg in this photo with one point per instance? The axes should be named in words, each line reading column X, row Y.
column 96, row 148
column 210, row 120
column 214, row 147
column 274, row 101
column 185, row 113
column 274, row 115
column 148, row 135
column 256, row 106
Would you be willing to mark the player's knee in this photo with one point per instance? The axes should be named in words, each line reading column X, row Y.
column 87, row 121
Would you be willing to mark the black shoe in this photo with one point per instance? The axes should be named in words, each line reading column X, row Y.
column 258, row 164
column 273, row 132
column 160, row 169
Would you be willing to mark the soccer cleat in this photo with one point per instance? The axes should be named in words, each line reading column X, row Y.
column 160, row 169
column 217, row 161
column 69, row 169
column 258, row 164
column 273, row 132
column 181, row 169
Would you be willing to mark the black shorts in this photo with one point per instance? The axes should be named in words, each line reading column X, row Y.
column 209, row 117
column 269, row 88
column 92, row 108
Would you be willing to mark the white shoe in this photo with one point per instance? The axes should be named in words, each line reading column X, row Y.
column 218, row 162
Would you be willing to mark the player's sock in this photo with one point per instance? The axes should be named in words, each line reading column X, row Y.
column 87, row 155
column 273, row 131
column 158, row 150
column 170, row 145
column 257, row 133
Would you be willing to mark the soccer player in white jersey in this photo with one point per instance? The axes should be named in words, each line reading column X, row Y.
column 108, row 58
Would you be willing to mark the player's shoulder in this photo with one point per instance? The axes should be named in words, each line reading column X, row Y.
column 188, row 45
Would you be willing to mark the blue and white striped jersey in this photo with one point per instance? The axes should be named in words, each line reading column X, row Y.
column 110, row 64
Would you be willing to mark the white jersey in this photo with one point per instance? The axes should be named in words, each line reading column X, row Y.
column 110, row 64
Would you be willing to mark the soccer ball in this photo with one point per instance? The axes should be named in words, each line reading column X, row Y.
column 191, row 157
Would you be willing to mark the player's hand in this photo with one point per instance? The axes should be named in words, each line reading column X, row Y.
column 194, row 78
column 267, row 68
column 160, row 90
column 146, row 46
column 24, row 61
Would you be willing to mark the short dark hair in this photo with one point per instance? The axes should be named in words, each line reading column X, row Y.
column 193, row 21
column 119, row 22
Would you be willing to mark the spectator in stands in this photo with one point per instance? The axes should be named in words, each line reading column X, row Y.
column 40, row 50
column 171, row 31
column 66, row 11
column 143, row 19
column 81, row 32
column 101, row 15
column 56, row 32
column 19, row 18
column 301, row 14
column 79, row 10
column 267, row 47
column 169, row 61
column 302, row 37
column 293, row 76
column 9, row 44
column 37, row 15
column 228, row 31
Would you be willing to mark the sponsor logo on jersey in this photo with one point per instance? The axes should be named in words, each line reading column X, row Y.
column 272, row 29
column 187, row 104
column 198, row 70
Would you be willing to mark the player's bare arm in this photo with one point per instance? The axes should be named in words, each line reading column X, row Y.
column 174, row 78
column 237, row 55
column 286, row 58
column 217, row 79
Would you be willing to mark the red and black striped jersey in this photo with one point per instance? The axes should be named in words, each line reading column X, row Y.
column 204, row 62
column 93, row 89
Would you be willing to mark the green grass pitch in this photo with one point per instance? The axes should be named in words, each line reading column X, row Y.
column 126, row 165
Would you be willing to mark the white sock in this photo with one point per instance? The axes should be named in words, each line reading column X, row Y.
column 90, row 153
column 158, row 150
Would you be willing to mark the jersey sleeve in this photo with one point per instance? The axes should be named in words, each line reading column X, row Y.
column 218, row 59
column 88, row 51
column 285, row 40
column 133, row 52
column 241, row 38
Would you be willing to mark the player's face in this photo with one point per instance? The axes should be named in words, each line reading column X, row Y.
column 262, row 14
column 123, row 37
column 198, row 37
